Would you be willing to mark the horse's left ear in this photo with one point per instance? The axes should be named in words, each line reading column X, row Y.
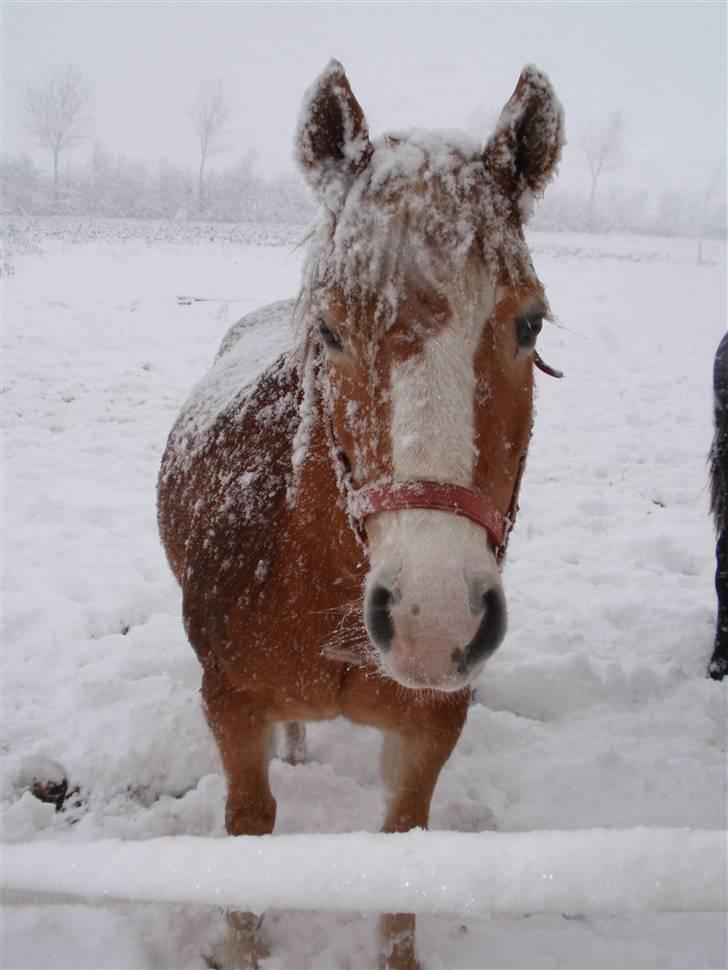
column 332, row 138
column 523, row 152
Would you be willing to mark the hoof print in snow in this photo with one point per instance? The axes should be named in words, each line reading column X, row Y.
column 58, row 793
column 53, row 792
column 46, row 780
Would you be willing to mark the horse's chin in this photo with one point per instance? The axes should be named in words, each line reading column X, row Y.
column 419, row 677
column 442, row 686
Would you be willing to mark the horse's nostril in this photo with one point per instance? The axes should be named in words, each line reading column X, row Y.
column 379, row 617
column 488, row 636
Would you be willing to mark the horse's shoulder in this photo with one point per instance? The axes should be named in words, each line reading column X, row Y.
column 222, row 437
column 228, row 457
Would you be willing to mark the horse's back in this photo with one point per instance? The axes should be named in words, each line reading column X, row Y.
column 273, row 319
column 227, row 458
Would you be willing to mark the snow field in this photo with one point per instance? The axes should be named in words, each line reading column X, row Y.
column 596, row 712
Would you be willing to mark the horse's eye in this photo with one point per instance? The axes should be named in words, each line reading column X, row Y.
column 527, row 329
column 328, row 336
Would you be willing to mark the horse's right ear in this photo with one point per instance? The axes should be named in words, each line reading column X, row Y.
column 332, row 138
column 523, row 152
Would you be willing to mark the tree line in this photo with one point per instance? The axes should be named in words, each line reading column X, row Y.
column 116, row 185
column 55, row 114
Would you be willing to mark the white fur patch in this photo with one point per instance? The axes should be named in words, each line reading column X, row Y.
column 440, row 564
column 433, row 397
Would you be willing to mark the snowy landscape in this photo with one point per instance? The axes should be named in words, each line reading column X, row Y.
column 596, row 713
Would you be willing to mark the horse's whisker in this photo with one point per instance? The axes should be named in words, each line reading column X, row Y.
column 348, row 638
column 347, row 656
column 345, row 609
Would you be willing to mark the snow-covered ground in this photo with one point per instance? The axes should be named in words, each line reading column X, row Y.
column 596, row 712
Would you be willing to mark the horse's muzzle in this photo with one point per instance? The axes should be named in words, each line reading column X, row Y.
column 420, row 649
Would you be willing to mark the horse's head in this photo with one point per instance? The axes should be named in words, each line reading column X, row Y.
column 422, row 310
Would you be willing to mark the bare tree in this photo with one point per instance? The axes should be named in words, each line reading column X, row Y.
column 241, row 180
column 210, row 111
column 602, row 144
column 56, row 112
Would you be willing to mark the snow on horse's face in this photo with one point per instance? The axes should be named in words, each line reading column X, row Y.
column 422, row 305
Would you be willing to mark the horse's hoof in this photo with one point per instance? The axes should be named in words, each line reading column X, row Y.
column 718, row 668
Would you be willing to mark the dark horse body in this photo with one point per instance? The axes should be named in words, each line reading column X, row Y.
column 718, row 666
column 338, row 528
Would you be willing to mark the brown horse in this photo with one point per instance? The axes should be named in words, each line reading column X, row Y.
column 338, row 527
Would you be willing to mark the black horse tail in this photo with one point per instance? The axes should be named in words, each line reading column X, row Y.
column 719, row 449
column 718, row 666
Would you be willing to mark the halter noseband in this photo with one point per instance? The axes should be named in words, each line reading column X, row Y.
column 361, row 503
column 425, row 494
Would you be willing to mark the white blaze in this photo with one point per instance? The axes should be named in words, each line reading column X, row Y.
column 436, row 561
column 433, row 402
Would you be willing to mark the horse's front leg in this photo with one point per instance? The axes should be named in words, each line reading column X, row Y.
column 718, row 666
column 413, row 755
column 243, row 731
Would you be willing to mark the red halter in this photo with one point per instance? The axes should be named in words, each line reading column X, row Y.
column 425, row 494
column 361, row 503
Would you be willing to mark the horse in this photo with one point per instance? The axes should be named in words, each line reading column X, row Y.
column 338, row 528
column 718, row 666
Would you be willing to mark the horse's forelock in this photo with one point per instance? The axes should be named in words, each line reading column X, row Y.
column 421, row 208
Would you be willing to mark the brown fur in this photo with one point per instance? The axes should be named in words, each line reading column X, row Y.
column 261, row 638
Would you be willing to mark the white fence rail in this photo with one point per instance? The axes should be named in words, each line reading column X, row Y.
column 468, row 875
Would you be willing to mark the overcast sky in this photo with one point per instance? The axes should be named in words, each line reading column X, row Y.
column 434, row 65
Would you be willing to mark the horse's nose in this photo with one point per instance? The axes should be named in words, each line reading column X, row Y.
column 379, row 617
column 488, row 636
